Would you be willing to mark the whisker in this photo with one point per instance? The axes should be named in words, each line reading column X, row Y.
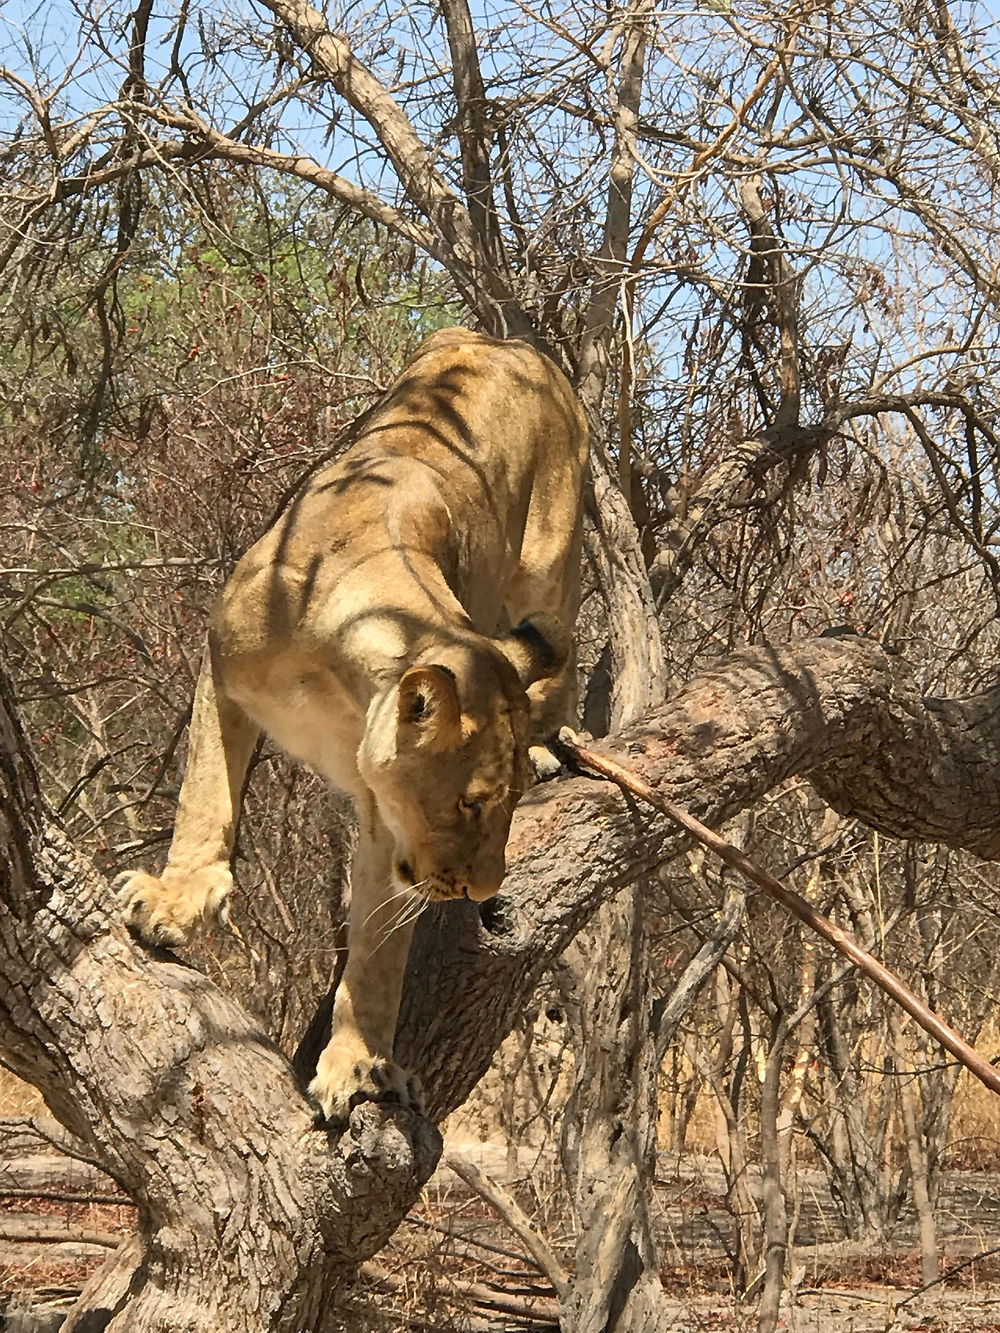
column 409, row 914
column 386, row 902
column 404, row 914
column 398, row 916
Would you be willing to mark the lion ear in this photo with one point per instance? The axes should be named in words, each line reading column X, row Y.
column 538, row 648
column 428, row 712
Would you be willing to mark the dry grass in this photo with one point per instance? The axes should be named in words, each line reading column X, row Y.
column 974, row 1140
column 18, row 1098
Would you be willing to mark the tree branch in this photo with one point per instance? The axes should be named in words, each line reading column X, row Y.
column 510, row 1212
column 767, row 253
column 199, row 1118
column 481, row 285
column 840, row 712
column 473, row 135
column 219, row 145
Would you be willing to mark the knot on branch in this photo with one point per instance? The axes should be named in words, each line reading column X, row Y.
column 374, row 1171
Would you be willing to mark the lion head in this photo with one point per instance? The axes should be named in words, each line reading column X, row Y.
column 445, row 754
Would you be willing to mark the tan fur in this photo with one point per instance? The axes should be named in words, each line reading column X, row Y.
column 368, row 633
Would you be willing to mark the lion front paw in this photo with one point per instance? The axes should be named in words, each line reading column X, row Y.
column 544, row 763
column 167, row 911
column 546, row 759
column 341, row 1083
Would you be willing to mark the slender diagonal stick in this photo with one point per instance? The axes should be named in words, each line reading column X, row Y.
column 893, row 986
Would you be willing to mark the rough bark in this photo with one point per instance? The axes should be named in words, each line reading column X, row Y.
column 772, row 1190
column 609, row 1127
column 609, row 1137
column 636, row 648
column 249, row 1218
column 909, row 1099
column 613, row 541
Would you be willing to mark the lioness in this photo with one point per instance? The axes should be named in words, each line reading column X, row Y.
column 369, row 634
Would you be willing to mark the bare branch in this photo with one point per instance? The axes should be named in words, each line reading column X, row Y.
column 473, row 135
column 509, row 1211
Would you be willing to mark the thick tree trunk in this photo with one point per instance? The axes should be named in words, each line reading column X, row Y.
column 249, row 1218
column 609, row 1134
column 909, row 1098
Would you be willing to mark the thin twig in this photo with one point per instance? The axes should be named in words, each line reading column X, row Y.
column 944, row 1277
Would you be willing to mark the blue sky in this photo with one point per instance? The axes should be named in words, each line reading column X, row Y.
column 49, row 31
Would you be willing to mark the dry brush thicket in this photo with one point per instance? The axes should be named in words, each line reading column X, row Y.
column 762, row 242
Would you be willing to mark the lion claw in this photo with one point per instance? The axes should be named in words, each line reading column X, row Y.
column 370, row 1080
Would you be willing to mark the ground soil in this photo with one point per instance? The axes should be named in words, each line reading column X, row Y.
column 453, row 1266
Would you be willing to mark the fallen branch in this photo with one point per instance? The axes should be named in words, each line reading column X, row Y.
column 45, row 1231
column 502, row 1203
column 469, row 1243
column 537, row 1309
column 883, row 977
column 66, row 1196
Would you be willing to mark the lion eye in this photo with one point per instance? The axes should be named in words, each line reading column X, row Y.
column 474, row 808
